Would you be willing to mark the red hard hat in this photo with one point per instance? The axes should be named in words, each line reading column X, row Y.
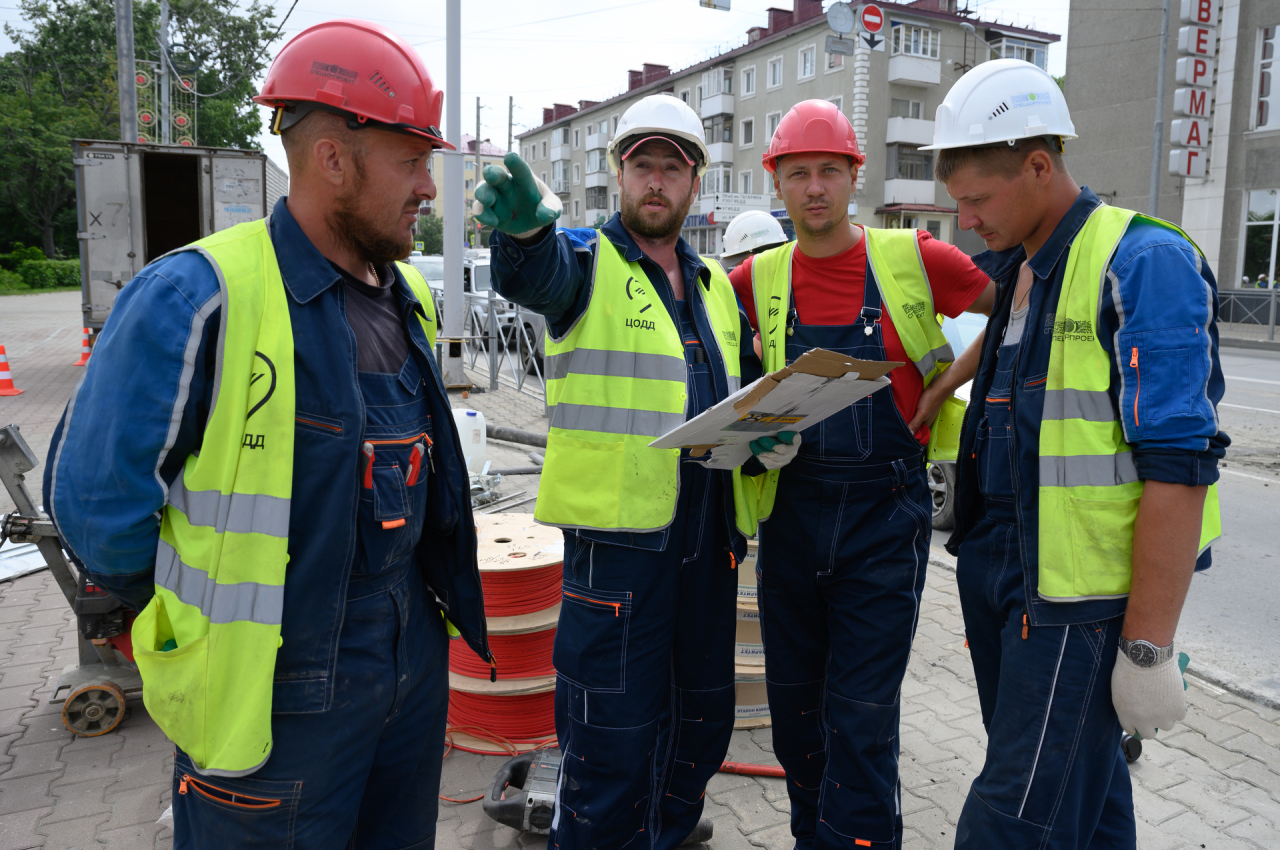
column 813, row 126
column 358, row 69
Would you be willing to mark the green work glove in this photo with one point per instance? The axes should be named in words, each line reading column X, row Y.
column 512, row 200
column 776, row 452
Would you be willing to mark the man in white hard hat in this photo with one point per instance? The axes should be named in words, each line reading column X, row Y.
column 641, row 335
column 1085, row 497
column 750, row 233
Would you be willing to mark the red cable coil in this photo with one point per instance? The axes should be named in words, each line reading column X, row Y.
column 523, row 718
column 508, row 594
column 518, row 656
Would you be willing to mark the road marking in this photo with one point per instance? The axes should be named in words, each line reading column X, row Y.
column 1245, row 407
column 1254, row 477
column 1251, row 380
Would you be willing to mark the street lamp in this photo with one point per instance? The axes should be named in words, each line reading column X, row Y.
column 969, row 29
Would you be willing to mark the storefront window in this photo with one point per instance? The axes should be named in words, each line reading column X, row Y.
column 1260, row 225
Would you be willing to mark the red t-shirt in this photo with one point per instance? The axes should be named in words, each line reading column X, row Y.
column 828, row 291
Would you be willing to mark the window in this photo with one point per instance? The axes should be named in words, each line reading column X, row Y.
column 597, row 199
column 577, row 209
column 697, row 99
column 775, row 72
column 806, row 65
column 717, row 180
column 918, row 41
column 544, row 149
column 934, row 227
column 613, row 202
column 577, row 173
column 470, row 165
column 771, row 124
column 718, row 129
column 684, row 95
column 577, row 139
column 749, row 81
column 748, row 136
column 469, row 185
column 717, row 81
column 900, row 107
column 1264, row 117
column 615, row 124
column 1260, row 224
column 744, row 182
column 834, row 61
column 1016, row 48
column 838, row 100
column 907, row 162
column 558, row 175
column 597, row 162
column 604, row 128
column 544, row 177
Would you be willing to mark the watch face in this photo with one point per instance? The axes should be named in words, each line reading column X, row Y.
column 1142, row 653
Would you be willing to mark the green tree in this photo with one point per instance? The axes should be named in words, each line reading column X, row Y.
column 431, row 234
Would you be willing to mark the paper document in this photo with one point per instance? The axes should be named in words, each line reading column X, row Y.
column 818, row 384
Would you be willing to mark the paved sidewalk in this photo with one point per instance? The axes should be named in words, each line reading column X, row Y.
column 1213, row 783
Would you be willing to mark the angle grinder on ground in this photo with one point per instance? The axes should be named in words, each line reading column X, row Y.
column 523, row 796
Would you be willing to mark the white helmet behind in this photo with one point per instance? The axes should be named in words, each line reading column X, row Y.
column 1001, row 101
column 750, row 232
column 660, row 115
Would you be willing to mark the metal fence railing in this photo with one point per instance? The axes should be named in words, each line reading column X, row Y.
column 1242, row 307
column 502, row 341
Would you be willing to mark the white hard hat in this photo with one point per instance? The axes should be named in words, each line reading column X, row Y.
column 751, row 231
column 664, row 116
column 1001, row 101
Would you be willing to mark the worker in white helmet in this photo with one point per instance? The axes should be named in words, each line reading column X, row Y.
column 1085, row 496
column 750, row 233
column 642, row 334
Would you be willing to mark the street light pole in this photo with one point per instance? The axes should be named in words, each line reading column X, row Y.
column 452, row 200
column 1157, row 133
column 126, row 71
column 166, row 116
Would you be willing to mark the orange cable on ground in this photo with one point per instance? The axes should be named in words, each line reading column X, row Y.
column 519, row 718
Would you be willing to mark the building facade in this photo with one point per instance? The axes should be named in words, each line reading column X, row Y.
column 490, row 154
column 1232, row 212
column 890, row 93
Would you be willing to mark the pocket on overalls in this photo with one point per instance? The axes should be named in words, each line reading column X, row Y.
column 393, row 488
column 240, row 812
column 591, row 639
column 995, row 472
column 846, row 435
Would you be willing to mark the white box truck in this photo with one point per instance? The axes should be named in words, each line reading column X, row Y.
column 137, row 202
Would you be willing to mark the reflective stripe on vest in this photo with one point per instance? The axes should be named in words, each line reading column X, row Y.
column 1089, row 487
column 206, row 643
column 418, row 285
column 615, row 382
column 899, row 274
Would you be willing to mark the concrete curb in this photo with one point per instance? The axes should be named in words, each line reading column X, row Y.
column 1255, row 344
column 1205, row 673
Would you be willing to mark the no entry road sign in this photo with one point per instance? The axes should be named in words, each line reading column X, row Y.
column 871, row 18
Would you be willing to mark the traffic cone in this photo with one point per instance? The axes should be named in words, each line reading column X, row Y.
column 6, row 377
column 84, row 350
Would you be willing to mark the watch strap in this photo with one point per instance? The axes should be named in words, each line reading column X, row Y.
column 1161, row 653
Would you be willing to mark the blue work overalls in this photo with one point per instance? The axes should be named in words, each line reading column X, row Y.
column 1052, row 731
column 841, row 569
column 644, row 657
column 372, row 763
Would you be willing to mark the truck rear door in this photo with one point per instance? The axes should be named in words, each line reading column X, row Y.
column 239, row 190
column 110, row 230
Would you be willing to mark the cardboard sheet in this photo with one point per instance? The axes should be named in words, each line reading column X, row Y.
column 818, row 384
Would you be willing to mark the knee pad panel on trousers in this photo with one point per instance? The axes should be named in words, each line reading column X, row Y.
column 604, row 790
column 859, row 791
column 799, row 740
column 220, row 811
column 591, row 639
column 704, row 726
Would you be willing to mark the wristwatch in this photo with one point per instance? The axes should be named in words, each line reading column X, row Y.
column 1144, row 653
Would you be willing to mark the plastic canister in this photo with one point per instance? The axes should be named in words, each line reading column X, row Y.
column 471, row 430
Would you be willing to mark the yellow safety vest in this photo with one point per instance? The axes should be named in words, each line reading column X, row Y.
column 899, row 273
column 224, row 534
column 1089, row 487
column 615, row 382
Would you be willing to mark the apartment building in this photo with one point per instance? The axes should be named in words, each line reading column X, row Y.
column 1232, row 211
column 490, row 154
column 890, row 94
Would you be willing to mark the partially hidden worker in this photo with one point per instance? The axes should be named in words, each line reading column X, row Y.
column 1086, row 495
column 642, row 334
column 846, row 511
column 262, row 461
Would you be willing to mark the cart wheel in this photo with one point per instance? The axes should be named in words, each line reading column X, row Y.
column 1131, row 747
column 94, row 709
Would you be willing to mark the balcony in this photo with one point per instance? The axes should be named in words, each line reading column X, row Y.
column 716, row 104
column 560, row 185
column 914, row 71
column 899, row 191
column 597, row 141
column 721, row 152
column 597, row 178
column 910, row 131
column 559, row 152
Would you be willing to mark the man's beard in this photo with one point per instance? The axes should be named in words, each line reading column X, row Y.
column 359, row 230
column 822, row 230
column 665, row 227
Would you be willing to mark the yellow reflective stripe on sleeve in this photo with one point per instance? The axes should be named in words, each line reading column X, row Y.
column 243, row 513
column 931, row 359
column 222, row 603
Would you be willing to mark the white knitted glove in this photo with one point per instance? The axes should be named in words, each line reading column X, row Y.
column 1148, row 699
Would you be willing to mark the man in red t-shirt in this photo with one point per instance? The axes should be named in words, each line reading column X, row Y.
column 843, row 552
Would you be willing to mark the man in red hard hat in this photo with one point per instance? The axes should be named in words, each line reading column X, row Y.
column 270, row 393
column 843, row 553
